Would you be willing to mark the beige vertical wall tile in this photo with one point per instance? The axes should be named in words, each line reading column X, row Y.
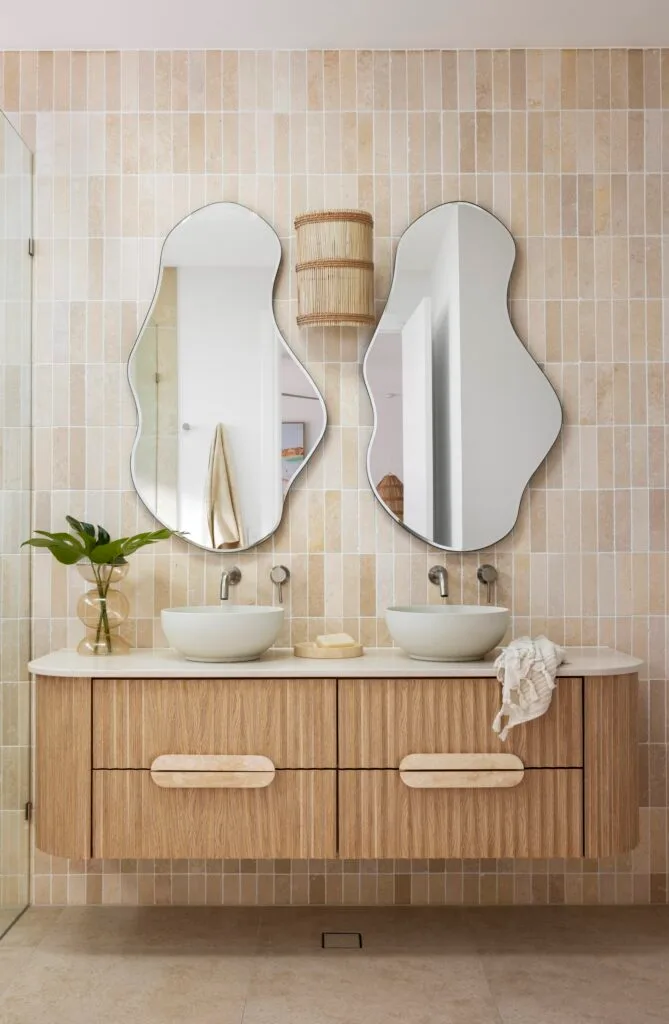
column 569, row 148
column 518, row 80
column 449, row 79
column 635, row 79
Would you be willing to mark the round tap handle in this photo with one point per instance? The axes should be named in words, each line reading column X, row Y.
column 279, row 574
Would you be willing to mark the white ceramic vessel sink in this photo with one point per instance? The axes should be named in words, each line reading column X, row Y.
column 225, row 632
column 448, row 632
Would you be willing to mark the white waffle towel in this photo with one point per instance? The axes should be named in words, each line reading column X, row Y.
column 526, row 670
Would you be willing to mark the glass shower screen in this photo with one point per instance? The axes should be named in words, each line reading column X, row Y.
column 15, row 498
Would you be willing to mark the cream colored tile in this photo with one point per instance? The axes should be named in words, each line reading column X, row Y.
column 75, row 986
column 275, row 991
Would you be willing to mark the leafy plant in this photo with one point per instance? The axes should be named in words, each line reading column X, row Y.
column 94, row 545
column 86, row 543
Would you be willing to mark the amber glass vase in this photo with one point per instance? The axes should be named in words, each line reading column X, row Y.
column 103, row 610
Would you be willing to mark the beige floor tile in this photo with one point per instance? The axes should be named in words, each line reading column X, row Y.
column 417, row 966
column 340, row 987
column 12, row 963
column 32, row 927
column 381, row 928
column 100, row 987
column 8, row 917
column 573, row 988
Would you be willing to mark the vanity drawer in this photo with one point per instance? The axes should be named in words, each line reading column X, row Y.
column 383, row 720
column 382, row 817
column 292, row 817
column 293, row 722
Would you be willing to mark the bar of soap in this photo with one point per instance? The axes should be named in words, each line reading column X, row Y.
column 335, row 640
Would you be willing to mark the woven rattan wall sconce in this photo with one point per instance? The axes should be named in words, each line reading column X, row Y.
column 335, row 268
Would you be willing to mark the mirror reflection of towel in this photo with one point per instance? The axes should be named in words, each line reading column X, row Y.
column 224, row 522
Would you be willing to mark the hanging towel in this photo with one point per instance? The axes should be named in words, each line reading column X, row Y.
column 526, row 670
column 224, row 523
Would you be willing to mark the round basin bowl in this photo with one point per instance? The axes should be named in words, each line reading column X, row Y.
column 449, row 632
column 222, row 633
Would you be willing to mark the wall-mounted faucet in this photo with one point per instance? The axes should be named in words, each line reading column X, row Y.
column 279, row 575
column 229, row 578
column 438, row 575
column 488, row 575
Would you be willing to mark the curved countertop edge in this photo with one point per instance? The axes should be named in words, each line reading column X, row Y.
column 280, row 663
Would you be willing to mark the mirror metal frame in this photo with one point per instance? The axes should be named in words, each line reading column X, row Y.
column 288, row 350
column 393, row 284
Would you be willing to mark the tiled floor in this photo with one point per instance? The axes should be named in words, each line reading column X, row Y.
column 236, row 966
column 7, row 917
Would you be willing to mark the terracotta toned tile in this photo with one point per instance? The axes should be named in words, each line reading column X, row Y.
column 602, row 73
column 635, row 79
column 449, row 79
column 584, row 79
column 619, row 79
column 518, row 86
column 500, row 79
column 45, row 80
column 568, row 78
column 11, row 89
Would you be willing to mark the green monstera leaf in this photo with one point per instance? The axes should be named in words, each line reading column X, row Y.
column 63, row 546
column 95, row 545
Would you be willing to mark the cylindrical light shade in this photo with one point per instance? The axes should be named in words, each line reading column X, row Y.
column 335, row 268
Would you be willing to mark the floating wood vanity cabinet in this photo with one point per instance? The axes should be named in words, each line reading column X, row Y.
column 292, row 767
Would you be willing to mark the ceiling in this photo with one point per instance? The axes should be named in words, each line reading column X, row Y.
column 331, row 24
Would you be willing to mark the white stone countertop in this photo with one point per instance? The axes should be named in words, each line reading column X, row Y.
column 280, row 663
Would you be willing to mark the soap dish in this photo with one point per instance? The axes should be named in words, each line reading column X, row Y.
column 310, row 650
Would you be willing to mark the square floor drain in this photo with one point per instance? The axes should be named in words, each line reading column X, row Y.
column 341, row 940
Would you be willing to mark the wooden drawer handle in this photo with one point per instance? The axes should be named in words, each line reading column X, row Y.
column 212, row 771
column 461, row 771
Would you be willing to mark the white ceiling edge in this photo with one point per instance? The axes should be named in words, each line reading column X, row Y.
column 334, row 24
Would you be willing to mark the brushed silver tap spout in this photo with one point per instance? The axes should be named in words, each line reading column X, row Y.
column 229, row 578
column 438, row 575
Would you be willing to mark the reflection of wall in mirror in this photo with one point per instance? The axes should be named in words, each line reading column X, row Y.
column 298, row 405
column 229, row 373
column 386, row 376
column 478, row 359
column 449, row 455
column 417, row 417
column 292, row 451
column 155, row 381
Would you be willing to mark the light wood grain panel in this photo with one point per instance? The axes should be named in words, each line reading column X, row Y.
column 461, row 762
column 63, row 767
column 295, row 817
column 380, row 817
column 212, row 763
column 212, row 771
column 291, row 721
column 461, row 779
column 211, row 780
column 383, row 720
column 611, row 765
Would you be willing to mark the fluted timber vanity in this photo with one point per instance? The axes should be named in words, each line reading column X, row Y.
column 152, row 756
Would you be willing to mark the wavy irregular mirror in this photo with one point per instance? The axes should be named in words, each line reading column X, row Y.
column 227, row 415
column 463, row 415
